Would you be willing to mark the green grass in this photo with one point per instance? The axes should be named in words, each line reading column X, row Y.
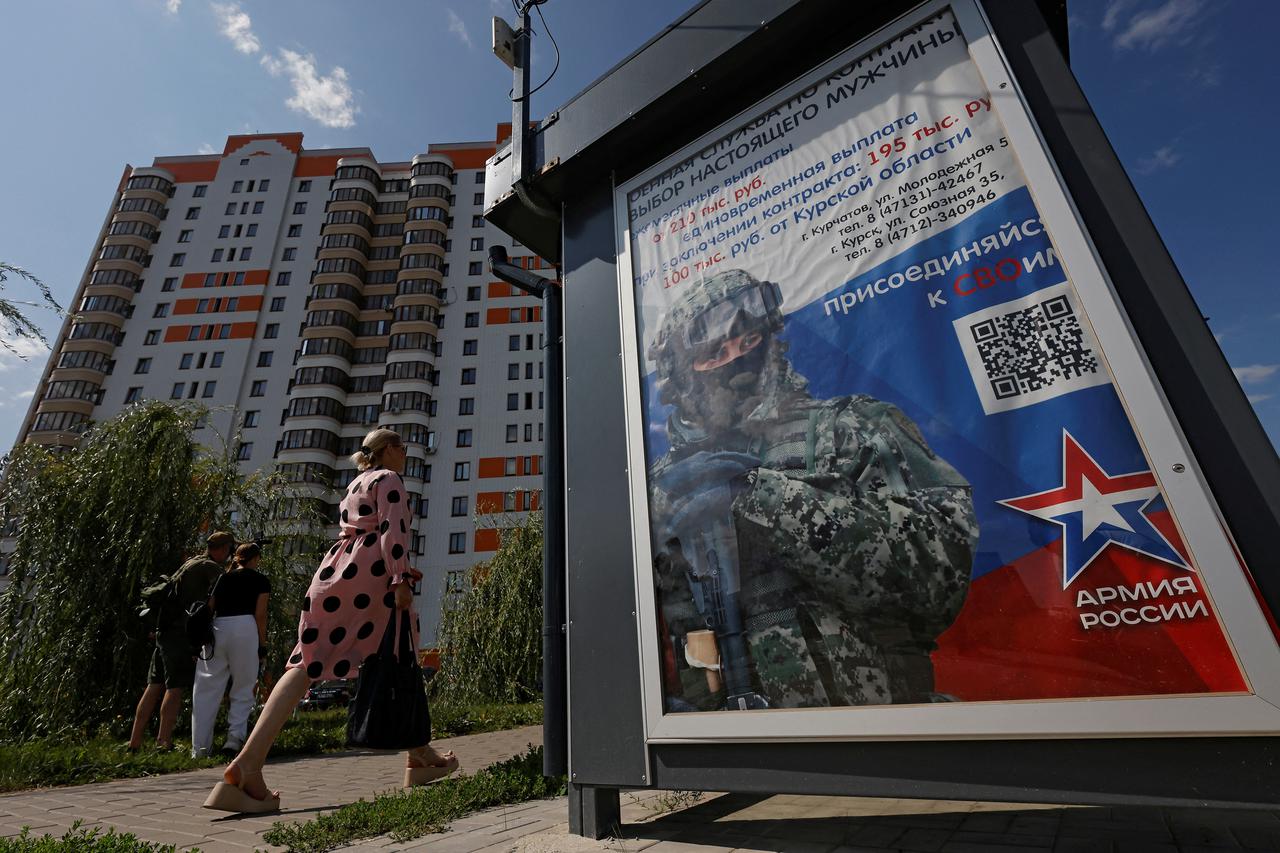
column 405, row 815
column 44, row 762
column 89, row 840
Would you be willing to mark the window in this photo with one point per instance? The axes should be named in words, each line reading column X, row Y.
column 239, row 185
column 477, row 221
column 272, row 330
column 513, row 370
column 153, row 337
column 290, row 254
column 244, row 207
column 264, row 358
column 464, row 435
column 185, row 362
column 161, row 310
column 143, row 366
column 262, row 184
column 168, row 284
column 252, row 230
column 458, row 507
column 224, row 232
column 528, row 399
column 178, row 389
column 467, row 406
column 133, row 395
column 513, row 402
column 478, row 198
column 246, row 450
column 246, row 253
column 299, row 208
column 193, row 213
column 178, row 259
column 513, row 433
column 468, row 376
column 477, row 244
column 513, row 343
column 472, row 320
column 238, row 280
column 283, row 279
column 470, row 347
column 295, row 230
column 509, row 466
column 217, row 256
column 473, row 293
column 251, row 418
column 475, row 268
column 231, row 209
column 257, row 207
column 461, row 471
column 457, row 543
column 304, row 186
column 528, row 432
column 277, row 303
column 209, row 388
column 259, row 388
column 199, row 190
column 184, row 236
column 216, row 361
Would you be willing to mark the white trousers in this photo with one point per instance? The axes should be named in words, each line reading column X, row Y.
column 235, row 656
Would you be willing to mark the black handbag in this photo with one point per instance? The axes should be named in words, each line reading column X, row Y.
column 389, row 710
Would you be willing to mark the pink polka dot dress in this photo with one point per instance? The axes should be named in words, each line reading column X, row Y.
column 350, row 600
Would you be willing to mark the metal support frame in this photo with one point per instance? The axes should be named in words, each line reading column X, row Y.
column 555, row 710
column 594, row 812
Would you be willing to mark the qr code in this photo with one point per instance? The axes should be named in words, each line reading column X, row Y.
column 1029, row 350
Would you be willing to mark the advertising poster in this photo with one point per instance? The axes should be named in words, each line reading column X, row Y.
column 886, row 461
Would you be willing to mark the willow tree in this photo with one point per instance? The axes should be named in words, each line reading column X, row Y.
column 97, row 523
column 14, row 323
column 491, row 632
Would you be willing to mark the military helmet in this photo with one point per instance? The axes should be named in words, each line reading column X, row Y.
column 711, row 310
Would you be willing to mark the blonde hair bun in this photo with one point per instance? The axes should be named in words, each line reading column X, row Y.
column 371, row 448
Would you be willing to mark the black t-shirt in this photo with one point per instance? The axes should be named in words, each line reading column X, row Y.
column 237, row 592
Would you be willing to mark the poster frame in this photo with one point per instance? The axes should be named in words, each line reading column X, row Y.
column 1180, row 478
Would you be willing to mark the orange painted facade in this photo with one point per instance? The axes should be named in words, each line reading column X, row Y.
column 210, row 332
column 292, row 141
column 217, row 305
column 487, row 539
column 315, row 166
column 192, row 171
column 499, row 316
column 251, row 278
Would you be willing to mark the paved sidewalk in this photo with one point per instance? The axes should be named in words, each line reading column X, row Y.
column 794, row 824
column 168, row 809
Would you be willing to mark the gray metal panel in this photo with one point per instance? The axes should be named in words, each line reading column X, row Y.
column 1179, row 771
column 606, row 728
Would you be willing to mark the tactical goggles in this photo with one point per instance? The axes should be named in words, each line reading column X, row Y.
column 716, row 322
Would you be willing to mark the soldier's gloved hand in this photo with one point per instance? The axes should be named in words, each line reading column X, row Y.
column 704, row 468
column 698, row 489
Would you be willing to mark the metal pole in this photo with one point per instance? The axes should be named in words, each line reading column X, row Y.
column 520, row 99
column 555, row 711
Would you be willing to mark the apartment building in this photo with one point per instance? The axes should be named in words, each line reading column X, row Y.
column 306, row 296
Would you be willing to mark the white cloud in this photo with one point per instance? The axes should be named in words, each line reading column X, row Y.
column 236, row 25
column 1258, row 398
column 31, row 392
column 21, row 354
column 327, row 99
column 172, row 6
column 1161, row 158
column 1152, row 29
column 1205, row 76
column 458, row 28
column 1112, row 14
column 206, row 148
column 1254, row 373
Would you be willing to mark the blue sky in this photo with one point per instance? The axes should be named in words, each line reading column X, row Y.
column 1184, row 88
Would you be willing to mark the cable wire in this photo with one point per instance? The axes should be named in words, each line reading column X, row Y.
column 537, row 7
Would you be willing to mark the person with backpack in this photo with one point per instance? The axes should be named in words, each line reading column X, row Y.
column 173, row 662
column 238, row 643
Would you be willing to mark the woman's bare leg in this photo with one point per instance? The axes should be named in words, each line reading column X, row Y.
column 288, row 691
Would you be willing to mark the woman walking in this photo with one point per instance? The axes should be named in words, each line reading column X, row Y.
column 362, row 583
column 239, row 604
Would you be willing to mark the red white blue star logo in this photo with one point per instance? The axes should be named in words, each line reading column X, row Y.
column 1096, row 510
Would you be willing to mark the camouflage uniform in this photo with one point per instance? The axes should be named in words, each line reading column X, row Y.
column 855, row 540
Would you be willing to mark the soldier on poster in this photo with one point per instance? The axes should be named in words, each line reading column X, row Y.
column 822, row 541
